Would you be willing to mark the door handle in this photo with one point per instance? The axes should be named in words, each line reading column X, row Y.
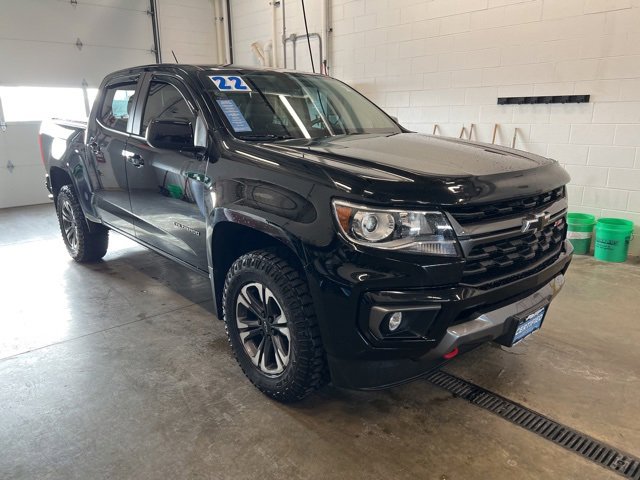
column 136, row 160
column 95, row 148
column 133, row 158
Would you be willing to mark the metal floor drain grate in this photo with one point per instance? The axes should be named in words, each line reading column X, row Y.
column 587, row 447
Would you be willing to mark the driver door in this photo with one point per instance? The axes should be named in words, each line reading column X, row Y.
column 167, row 186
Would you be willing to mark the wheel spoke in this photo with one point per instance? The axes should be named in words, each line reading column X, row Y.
column 67, row 213
column 279, row 320
column 282, row 330
column 261, row 292
column 250, row 334
column 246, row 324
column 246, row 299
column 280, row 364
column 257, row 356
column 72, row 238
column 268, row 351
column 281, row 354
column 269, row 301
column 280, row 326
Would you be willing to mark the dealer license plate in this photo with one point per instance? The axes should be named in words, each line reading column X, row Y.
column 529, row 324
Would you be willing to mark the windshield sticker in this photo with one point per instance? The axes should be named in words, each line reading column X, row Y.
column 234, row 115
column 229, row 83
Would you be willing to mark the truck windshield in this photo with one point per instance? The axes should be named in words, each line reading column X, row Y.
column 275, row 105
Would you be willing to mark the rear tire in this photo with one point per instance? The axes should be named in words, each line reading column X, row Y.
column 82, row 244
column 272, row 327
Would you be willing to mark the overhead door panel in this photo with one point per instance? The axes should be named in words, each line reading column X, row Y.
column 59, row 43
column 112, row 34
column 21, row 171
column 60, row 65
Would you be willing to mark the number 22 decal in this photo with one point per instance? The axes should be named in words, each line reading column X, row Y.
column 229, row 83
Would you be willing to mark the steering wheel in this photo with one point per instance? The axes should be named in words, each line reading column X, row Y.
column 320, row 122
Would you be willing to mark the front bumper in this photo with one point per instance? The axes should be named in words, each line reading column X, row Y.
column 494, row 324
column 466, row 317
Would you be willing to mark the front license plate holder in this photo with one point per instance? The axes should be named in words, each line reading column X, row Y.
column 524, row 325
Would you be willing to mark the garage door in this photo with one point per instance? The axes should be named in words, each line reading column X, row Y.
column 47, row 50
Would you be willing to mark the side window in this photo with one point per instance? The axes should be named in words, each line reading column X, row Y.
column 117, row 104
column 165, row 102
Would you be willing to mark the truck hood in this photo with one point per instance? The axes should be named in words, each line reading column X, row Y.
column 418, row 168
column 421, row 154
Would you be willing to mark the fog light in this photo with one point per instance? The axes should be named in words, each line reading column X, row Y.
column 394, row 321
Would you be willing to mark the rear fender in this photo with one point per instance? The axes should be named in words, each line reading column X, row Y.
column 71, row 169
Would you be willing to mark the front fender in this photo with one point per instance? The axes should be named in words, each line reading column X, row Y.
column 224, row 216
column 232, row 233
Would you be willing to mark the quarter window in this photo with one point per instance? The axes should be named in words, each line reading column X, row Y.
column 117, row 105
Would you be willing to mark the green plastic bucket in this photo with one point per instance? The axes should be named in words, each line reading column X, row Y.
column 580, row 231
column 612, row 239
column 175, row 191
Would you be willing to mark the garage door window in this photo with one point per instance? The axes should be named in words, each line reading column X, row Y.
column 28, row 104
column 117, row 105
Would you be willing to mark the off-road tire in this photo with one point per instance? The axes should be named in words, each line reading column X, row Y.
column 307, row 369
column 82, row 244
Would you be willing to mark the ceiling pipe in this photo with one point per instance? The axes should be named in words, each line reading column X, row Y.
column 324, row 32
column 274, row 34
column 268, row 53
column 227, row 14
column 284, row 35
column 219, row 27
column 259, row 53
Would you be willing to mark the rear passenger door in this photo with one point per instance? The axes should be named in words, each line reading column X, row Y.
column 167, row 187
column 107, row 139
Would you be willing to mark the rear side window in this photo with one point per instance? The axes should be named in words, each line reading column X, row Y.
column 165, row 102
column 117, row 105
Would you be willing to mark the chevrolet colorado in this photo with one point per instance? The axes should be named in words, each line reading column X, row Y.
column 340, row 246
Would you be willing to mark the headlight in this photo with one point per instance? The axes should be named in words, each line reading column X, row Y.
column 404, row 230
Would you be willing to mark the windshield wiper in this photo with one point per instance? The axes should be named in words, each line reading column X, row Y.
column 266, row 136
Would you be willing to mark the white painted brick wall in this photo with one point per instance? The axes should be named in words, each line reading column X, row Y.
column 446, row 62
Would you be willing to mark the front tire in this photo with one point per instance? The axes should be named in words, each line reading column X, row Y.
column 82, row 244
column 272, row 326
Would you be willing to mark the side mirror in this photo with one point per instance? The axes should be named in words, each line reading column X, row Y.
column 170, row 135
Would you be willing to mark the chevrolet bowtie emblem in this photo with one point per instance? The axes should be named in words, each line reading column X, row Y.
column 535, row 221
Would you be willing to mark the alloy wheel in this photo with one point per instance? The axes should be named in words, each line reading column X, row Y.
column 69, row 225
column 263, row 328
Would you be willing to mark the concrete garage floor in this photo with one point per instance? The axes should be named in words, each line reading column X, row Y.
column 120, row 370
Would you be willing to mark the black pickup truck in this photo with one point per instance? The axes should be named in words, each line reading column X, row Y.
column 340, row 246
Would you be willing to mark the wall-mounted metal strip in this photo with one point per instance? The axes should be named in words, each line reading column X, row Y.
column 85, row 96
column 3, row 124
column 543, row 99
column 153, row 13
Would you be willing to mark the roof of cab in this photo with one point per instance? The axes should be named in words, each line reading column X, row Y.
column 190, row 68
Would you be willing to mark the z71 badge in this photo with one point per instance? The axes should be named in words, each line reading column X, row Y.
column 188, row 229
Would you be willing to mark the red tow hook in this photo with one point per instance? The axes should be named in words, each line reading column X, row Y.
column 451, row 354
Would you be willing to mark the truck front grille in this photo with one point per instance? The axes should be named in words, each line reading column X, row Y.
column 493, row 262
column 476, row 213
